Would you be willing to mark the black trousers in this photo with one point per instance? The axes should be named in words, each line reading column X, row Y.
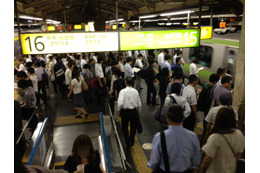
column 61, row 87
column 162, row 96
column 189, row 122
column 151, row 90
column 42, row 91
column 129, row 115
column 101, row 92
column 54, row 86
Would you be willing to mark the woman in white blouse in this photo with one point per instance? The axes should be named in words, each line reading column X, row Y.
column 224, row 144
column 75, row 87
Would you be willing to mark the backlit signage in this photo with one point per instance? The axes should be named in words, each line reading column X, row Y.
column 51, row 28
column 206, row 32
column 141, row 40
column 44, row 43
column 77, row 26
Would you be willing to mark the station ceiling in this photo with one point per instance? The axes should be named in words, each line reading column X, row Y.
column 76, row 11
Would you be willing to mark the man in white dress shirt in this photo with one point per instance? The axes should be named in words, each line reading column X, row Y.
column 128, row 103
column 101, row 87
column 129, row 72
column 139, row 64
column 161, row 57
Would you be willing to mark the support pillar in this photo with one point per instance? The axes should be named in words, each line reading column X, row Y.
column 239, row 90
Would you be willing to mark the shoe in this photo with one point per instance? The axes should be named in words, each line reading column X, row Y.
column 78, row 116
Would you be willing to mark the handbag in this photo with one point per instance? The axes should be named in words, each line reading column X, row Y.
column 240, row 163
column 84, row 85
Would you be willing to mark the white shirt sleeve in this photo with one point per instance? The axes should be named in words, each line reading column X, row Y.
column 193, row 69
column 187, row 110
column 120, row 100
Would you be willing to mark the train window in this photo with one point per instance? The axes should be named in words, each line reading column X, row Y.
column 204, row 53
column 230, row 61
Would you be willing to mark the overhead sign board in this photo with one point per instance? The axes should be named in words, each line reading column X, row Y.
column 206, row 32
column 44, row 43
column 141, row 40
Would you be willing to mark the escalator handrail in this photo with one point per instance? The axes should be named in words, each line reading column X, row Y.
column 38, row 140
column 105, row 143
column 24, row 128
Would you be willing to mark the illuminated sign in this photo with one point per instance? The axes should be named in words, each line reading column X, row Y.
column 59, row 27
column 44, row 43
column 69, row 27
column 222, row 24
column 114, row 27
column 77, row 26
column 206, row 32
column 141, row 40
column 51, row 28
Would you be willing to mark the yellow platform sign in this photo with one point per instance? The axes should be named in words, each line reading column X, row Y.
column 44, row 43
column 206, row 32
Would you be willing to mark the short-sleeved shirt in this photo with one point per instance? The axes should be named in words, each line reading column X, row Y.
column 218, row 91
column 99, row 70
column 190, row 95
column 193, row 69
column 34, row 82
column 160, row 58
column 166, row 64
column 77, row 86
column 223, row 157
column 129, row 72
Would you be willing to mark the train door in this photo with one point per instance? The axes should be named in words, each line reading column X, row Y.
column 231, row 56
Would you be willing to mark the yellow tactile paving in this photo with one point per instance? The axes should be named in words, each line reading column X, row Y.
column 72, row 120
column 15, row 95
column 199, row 128
column 139, row 158
column 58, row 164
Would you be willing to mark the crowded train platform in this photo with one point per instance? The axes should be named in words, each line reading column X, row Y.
column 149, row 96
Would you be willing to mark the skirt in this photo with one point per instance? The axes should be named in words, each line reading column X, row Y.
column 78, row 100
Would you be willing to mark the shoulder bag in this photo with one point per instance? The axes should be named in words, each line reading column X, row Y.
column 84, row 85
column 240, row 162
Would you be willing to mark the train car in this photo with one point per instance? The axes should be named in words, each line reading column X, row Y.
column 212, row 54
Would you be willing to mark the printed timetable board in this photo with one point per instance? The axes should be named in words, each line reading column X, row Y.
column 44, row 43
column 141, row 40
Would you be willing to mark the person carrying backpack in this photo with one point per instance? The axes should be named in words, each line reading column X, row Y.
column 205, row 98
column 88, row 77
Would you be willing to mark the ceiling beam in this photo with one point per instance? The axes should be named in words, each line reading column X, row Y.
column 35, row 3
column 140, row 3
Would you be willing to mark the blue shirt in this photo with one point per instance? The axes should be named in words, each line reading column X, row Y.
column 129, row 71
column 183, row 149
column 166, row 64
column 168, row 90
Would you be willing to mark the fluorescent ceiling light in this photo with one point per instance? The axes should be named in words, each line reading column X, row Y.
column 155, row 20
column 134, row 21
column 120, row 19
column 30, row 17
column 176, row 23
column 168, row 24
column 195, row 23
column 148, row 16
column 161, row 23
column 179, row 18
column 176, row 13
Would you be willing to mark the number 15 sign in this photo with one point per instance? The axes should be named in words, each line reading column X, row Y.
column 43, row 43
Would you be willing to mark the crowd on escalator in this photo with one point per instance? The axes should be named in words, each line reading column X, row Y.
column 91, row 78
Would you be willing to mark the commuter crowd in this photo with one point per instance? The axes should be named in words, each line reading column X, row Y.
column 84, row 78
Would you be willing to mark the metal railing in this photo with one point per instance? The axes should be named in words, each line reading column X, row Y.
column 26, row 125
column 108, row 162
column 121, row 150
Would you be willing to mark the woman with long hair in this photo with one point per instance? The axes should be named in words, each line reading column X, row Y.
column 83, row 153
column 224, row 144
column 75, row 87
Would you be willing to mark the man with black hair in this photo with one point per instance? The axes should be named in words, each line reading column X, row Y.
column 139, row 64
column 190, row 95
column 150, row 79
column 26, row 59
column 83, row 61
column 206, row 96
column 128, row 104
column 101, row 87
column 221, row 72
column 41, row 83
column 225, row 87
column 21, row 75
column 178, row 77
column 182, row 146
column 161, row 56
column 129, row 72
column 166, row 64
column 59, row 70
column 178, row 67
column 28, row 104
